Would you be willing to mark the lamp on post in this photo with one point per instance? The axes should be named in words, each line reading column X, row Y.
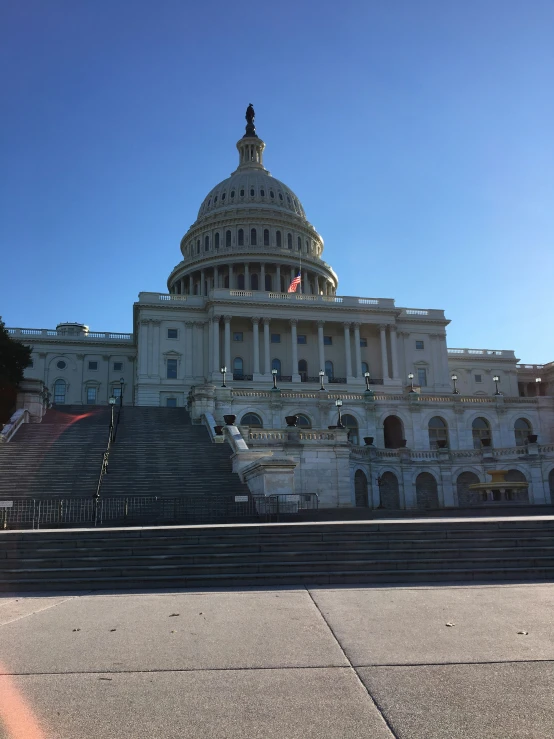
column 274, row 375
column 367, row 376
column 538, row 381
column 321, row 376
column 223, row 371
column 111, row 401
column 411, row 379
column 454, row 379
column 338, row 403
column 121, row 388
column 496, row 380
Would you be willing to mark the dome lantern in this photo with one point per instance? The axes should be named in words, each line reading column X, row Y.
column 250, row 147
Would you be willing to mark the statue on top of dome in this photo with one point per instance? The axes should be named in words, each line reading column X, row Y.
column 250, row 115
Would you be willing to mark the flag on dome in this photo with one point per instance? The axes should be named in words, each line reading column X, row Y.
column 294, row 284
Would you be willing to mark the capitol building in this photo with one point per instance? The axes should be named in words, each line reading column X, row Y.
column 387, row 414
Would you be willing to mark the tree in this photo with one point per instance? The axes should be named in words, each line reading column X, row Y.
column 14, row 357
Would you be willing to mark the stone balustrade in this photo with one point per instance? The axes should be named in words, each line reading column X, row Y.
column 45, row 333
column 504, row 353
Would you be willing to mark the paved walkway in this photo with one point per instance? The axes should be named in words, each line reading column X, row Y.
column 431, row 662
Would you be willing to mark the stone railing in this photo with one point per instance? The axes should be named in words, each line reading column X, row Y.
column 454, row 454
column 16, row 421
column 53, row 334
column 504, row 353
column 305, row 436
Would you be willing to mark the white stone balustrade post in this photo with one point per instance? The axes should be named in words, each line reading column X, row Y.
column 267, row 364
column 384, row 357
column 227, row 320
column 256, row 346
column 357, row 351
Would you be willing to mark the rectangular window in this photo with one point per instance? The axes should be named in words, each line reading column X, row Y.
column 237, row 336
column 171, row 333
column 422, row 377
column 116, row 391
column 93, row 365
column 328, row 340
column 91, row 395
column 172, row 369
column 302, row 339
column 118, row 366
column 419, row 345
column 171, row 402
column 275, row 338
column 478, row 378
column 363, row 342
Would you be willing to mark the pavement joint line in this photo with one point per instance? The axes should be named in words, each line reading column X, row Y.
column 456, row 664
column 178, row 669
column 36, row 611
column 373, row 700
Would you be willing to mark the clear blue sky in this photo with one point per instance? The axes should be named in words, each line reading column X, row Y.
column 418, row 135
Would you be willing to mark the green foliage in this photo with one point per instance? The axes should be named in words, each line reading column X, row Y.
column 14, row 357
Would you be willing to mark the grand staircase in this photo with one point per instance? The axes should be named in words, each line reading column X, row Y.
column 417, row 551
column 158, row 452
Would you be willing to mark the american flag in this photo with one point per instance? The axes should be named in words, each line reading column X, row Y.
column 294, row 284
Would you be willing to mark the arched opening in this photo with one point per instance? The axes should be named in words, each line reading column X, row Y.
column 278, row 239
column 198, row 246
column 329, row 371
column 465, row 495
column 241, row 237
column 438, row 433
column 303, row 421
column 427, row 495
column 276, row 365
column 289, row 241
column 266, row 236
column 299, row 244
column 59, row 392
column 238, row 368
column 216, row 240
column 521, row 496
column 268, row 283
column 240, row 282
column 360, row 489
column 522, row 429
column 350, row 423
column 252, row 420
column 303, row 370
column 254, row 282
column 388, row 491
column 394, row 432
column 481, row 431
column 206, row 243
column 365, row 367
column 228, row 238
column 253, row 237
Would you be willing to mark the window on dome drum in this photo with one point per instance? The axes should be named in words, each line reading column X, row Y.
column 271, row 194
column 241, row 237
column 254, row 282
column 206, row 243
column 278, row 238
column 240, row 282
column 171, row 402
column 209, row 202
column 327, row 341
column 303, row 370
column 522, row 429
column 280, row 196
column 238, row 336
column 252, row 193
column 228, row 238
column 303, row 421
column 289, row 241
column 363, row 342
column 253, row 237
column 215, row 200
column 61, row 364
column 481, row 430
column 275, row 338
column 422, row 377
column 226, row 281
column 268, row 283
column 198, row 246
column 276, row 365
column 266, row 237
column 242, row 193
column 299, row 243
column 93, row 365
column 262, row 193
column 329, row 370
column 91, row 395
column 365, row 367
column 301, row 339
column 171, row 369
column 172, row 333
column 288, row 199
column 216, row 240
column 59, row 391
column 419, row 345
column 252, row 420
column 352, row 425
column 438, row 433
column 232, row 193
column 478, row 378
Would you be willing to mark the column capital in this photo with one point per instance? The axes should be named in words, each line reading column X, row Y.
column 320, row 324
column 216, row 319
column 227, row 318
column 356, row 324
column 267, row 321
column 293, row 321
column 255, row 320
column 392, row 327
column 189, row 324
column 383, row 326
column 347, row 324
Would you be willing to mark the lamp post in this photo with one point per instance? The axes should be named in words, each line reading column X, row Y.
column 121, row 388
column 274, row 375
column 111, row 401
column 223, row 371
column 338, row 403
column 454, row 379
column 411, row 379
column 367, row 376
column 321, row 376
column 496, row 380
column 538, row 381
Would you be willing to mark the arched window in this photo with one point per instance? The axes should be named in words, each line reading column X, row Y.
column 271, row 194
column 253, row 237
column 427, row 495
column 278, row 238
column 252, row 192
column 206, row 243
column 266, row 236
column 238, row 368
column 252, row 420
column 240, row 282
column 299, row 244
column 360, row 489
column 388, row 491
column 268, row 283
column 59, row 391
column 232, row 193
column 303, row 370
column 254, row 282
column 438, row 433
column 198, row 246
column 329, row 371
column 241, row 237
column 289, row 241
column 276, row 365
column 352, row 425
column 466, row 496
column 216, row 241
column 394, row 432
column 303, row 421
column 481, row 431
column 242, row 192
column 228, row 238
column 522, row 429
column 365, row 367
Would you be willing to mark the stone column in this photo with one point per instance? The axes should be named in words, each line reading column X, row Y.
column 188, row 349
column 246, row 276
column 202, row 290
column 215, row 365
column 384, row 358
column 357, row 351
column 216, row 277
column 267, row 363
column 142, row 350
column 348, row 352
column 262, row 276
column 227, row 320
column 210, row 348
column 278, row 278
column 320, row 345
column 182, row 285
column 394, row 352
column 231, row 278
column 256, row 346
column 294, row 341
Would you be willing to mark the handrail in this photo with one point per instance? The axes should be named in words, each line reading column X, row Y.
column 112, row 432
column 16, row 421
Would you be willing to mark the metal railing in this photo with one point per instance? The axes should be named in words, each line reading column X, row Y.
column 112, row 433
column 35, row 513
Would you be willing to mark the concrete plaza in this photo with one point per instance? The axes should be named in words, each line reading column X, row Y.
column 429, row 662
